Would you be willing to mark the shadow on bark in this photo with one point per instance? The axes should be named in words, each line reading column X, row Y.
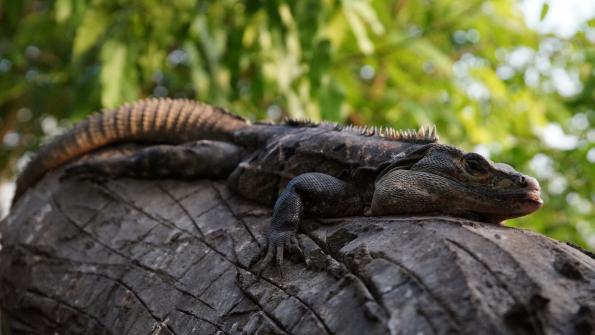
column 158, row 257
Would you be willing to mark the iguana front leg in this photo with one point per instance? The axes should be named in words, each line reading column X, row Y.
column 209, row 159
column 309, row 194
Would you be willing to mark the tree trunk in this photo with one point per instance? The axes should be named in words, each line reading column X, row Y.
column 137, row 257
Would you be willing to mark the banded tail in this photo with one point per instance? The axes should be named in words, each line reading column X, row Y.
column 150, row 120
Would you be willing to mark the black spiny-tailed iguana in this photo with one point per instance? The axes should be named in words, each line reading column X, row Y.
column 303, row 169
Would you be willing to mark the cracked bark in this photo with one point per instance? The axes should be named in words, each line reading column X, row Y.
column 170, row 257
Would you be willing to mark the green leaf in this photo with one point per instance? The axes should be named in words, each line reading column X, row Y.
column 544, row 9
column 321, row 61
column 199, row 77
column 427, row 51
column 331, row 101
column 94, row 24
column 357, row 26
column 360, row 14
column 12, row 13
column 63, row 10
column 493, row 83
column 118, row 82
column 367, row 13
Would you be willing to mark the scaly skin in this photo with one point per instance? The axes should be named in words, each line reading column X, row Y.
column 146, row 121
column 448, row 181
column 299, row 168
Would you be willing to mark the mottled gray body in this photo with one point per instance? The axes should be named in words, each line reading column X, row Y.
column 304, row 169
column 279, row 153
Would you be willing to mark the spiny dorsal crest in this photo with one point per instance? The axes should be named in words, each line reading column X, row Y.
column 299, row 122
column 425, row 134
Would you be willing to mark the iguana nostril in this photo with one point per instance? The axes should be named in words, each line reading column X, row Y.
column 529, row 183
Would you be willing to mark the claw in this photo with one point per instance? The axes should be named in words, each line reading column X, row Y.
column 276, row 245
column 294, row 246
column 273, row 252
column 265, row 262
column 279, row 259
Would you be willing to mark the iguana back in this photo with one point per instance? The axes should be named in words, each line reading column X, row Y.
column 150, row 120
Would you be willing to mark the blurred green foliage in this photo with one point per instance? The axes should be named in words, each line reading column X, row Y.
column 473, row 68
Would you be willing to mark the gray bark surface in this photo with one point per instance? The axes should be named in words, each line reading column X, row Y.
column 172, row 257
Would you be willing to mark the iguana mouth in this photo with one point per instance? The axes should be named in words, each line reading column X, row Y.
column 531, row 201
column 531, row 198
column 534, row 196
column 520, row 204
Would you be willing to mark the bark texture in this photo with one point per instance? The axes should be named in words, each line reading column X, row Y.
column 170, row 257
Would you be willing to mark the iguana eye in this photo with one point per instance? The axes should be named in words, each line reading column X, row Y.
column 475, row 164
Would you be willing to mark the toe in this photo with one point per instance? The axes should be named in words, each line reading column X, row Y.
column 294, row 246
column 266, row 261
column 279, row 255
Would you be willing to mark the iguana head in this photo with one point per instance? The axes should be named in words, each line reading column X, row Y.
column 440, row 179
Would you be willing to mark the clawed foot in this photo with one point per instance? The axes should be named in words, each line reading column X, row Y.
column 277, row 243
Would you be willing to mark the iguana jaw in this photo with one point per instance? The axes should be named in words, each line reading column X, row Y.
column 526, row 206
column 514, row 204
